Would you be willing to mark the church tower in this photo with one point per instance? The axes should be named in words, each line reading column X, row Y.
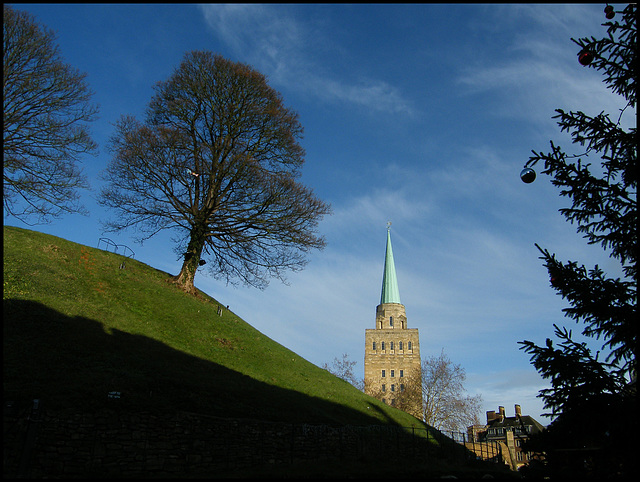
column 392, row 365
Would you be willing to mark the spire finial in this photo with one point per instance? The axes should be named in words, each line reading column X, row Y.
column 388, row 225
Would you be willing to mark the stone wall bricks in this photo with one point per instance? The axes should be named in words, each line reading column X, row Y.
column 122, row 444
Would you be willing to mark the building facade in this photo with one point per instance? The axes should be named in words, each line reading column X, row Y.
column 512, row 431
column 392, row 366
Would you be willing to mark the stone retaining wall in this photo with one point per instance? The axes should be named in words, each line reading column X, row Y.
column 122, row 444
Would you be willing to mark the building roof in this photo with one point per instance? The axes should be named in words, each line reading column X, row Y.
column 390, row 292
column 516, row 422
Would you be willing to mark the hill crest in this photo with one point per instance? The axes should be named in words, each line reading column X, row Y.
column 77, row 326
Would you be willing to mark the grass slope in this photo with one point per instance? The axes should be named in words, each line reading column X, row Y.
column 77, row 326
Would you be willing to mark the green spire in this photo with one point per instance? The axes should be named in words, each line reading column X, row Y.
column 390, row 292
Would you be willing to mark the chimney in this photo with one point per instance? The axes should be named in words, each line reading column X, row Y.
column 518, row 411
column 491, row 415
column 501, row 410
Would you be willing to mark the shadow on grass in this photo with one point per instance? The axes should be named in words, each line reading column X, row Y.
column 72, row 363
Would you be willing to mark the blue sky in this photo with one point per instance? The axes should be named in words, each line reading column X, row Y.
column 420, row 114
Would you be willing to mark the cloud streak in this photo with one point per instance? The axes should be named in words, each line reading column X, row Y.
column 537, row 72
column 280, row 45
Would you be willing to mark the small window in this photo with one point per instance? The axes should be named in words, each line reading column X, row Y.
column 384, row 374
column 382, row 347
column 402, row 387
column 391, row 345
column 393, row 387
column 399, row 345
column 391, row 321
column 374, row 346
column 401, row 373
column 409, row 345
column 384, row 387
column 393, row 373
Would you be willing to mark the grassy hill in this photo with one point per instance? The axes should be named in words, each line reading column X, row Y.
column 78, row 326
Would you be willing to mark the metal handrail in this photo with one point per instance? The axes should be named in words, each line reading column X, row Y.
column 109, row 242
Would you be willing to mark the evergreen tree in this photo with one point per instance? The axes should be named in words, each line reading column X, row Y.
column 593, row 396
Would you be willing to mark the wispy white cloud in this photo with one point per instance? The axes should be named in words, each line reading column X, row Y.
column 257, row 33
column 463, row 226
column 368, row 213
column 280, row 45
column 534, row 88
column 373, row 94
column 537, row 71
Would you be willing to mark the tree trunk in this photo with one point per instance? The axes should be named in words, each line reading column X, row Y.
column 191, row 261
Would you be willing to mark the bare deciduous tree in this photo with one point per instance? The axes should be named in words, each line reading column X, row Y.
column 217, row 161
column 404, row 393
column 436, row 395
column 46, row 114
column 344, row 369
column 445, row 405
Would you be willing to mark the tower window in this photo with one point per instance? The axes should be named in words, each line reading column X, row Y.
column 409, row 345
column 391, row 321
column 391, row 345
column 382, row 347
column 374, row 346
column 399, row 345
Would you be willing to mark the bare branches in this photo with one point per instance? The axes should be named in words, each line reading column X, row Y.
column 445, row 404
column 218, row 157
column 344, row 369
column 46, row 110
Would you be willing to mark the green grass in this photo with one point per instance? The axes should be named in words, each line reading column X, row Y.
column 76, row 327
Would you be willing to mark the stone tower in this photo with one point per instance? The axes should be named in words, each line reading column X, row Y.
column 392, row 366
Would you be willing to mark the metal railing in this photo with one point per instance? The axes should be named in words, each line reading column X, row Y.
column 109, row 243
column 206, row 444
